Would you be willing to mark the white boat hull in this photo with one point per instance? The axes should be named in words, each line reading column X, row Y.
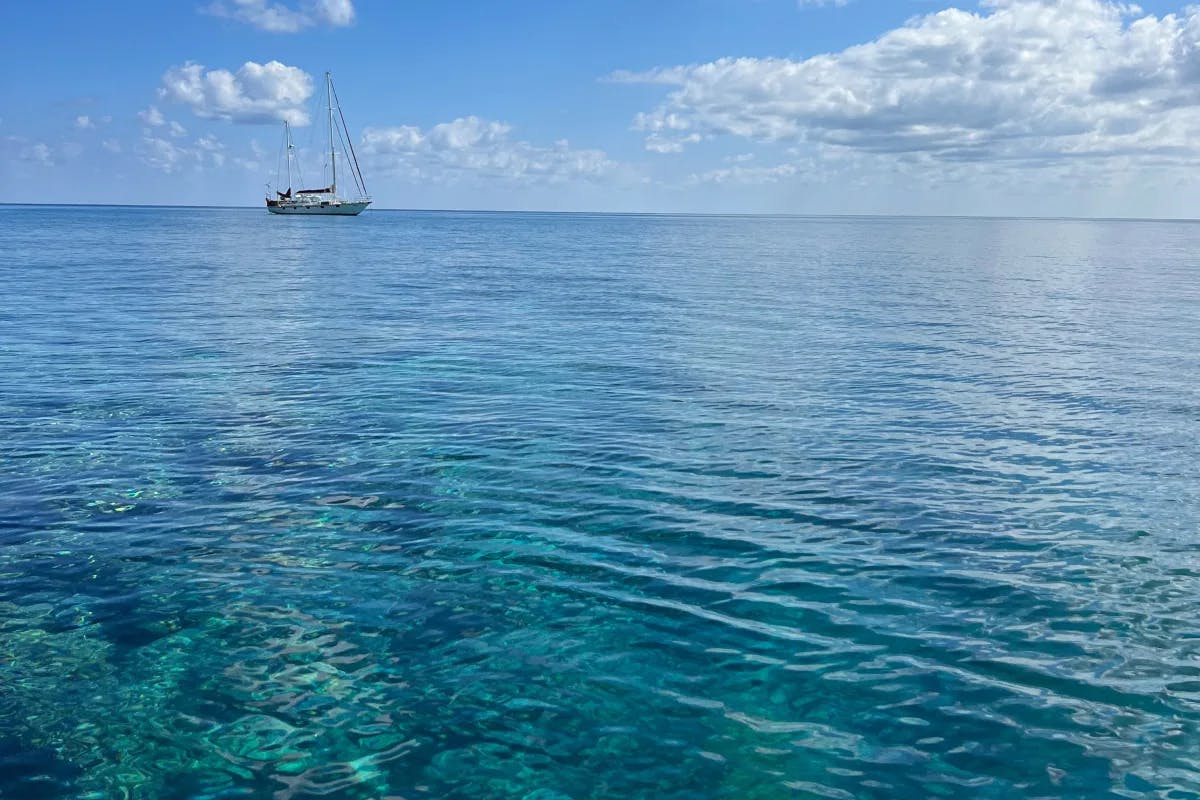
column 347, row 209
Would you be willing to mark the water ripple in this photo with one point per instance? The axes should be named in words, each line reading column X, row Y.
column 546, row 507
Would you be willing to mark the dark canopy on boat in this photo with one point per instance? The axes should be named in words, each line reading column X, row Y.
column 327, row 190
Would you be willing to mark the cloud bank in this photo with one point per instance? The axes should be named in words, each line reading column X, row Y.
column 1024, row 82
column 473, row 146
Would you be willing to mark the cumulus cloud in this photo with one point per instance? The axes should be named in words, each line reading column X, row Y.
column 169, row 156
column 37, row 153
column 83, row 122
column 152, row 117
column 285, row 18
column 474, row 146
column 746, row 175
column 1020, row 82
column 657, row 142
column 20, row 148
column 255, row 93
column 213, row 148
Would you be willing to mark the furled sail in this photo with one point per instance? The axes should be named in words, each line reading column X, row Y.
column 326, row 190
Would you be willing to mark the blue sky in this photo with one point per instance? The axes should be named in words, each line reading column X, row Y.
column 1039, row 107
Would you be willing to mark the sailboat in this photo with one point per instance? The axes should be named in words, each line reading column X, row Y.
column 325, row 200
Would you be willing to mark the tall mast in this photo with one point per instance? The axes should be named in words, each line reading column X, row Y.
column 332, row 151
column 355, row 171
column 287, row 135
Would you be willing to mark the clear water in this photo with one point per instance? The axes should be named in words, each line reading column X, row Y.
column 565, row 506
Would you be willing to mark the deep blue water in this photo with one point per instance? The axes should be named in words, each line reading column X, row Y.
column 568, row 506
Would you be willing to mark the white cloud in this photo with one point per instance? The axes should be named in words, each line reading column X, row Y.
column 155, row 119
column 152, row 117
column 21, row 148
column 1023, row 82
column 211, row 146
column 746, row 175
column 161, row 153
column 83, row 122
column 256, row 93
column 657, row 143
column 38, row 153
column 336, row 12
column 169, row 156
column 111, row 145
column 283, row 18
column 473, row 146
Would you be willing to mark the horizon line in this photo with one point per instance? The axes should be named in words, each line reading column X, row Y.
column 785, row 214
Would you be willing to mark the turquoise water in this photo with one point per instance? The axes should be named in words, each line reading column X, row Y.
column 567, row 506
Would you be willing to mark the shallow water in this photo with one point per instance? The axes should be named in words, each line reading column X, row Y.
column 567, row 506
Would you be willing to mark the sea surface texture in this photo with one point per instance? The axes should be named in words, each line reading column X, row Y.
column 441, row 505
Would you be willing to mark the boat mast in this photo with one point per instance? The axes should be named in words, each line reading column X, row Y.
column 332, row 150
column 355, row 170
column 287, row 135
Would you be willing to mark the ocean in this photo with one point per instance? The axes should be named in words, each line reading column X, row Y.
column 550, row 506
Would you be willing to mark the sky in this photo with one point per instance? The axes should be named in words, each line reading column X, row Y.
column 999, row 107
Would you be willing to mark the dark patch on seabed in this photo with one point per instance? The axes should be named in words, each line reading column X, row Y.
column 34, row 773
